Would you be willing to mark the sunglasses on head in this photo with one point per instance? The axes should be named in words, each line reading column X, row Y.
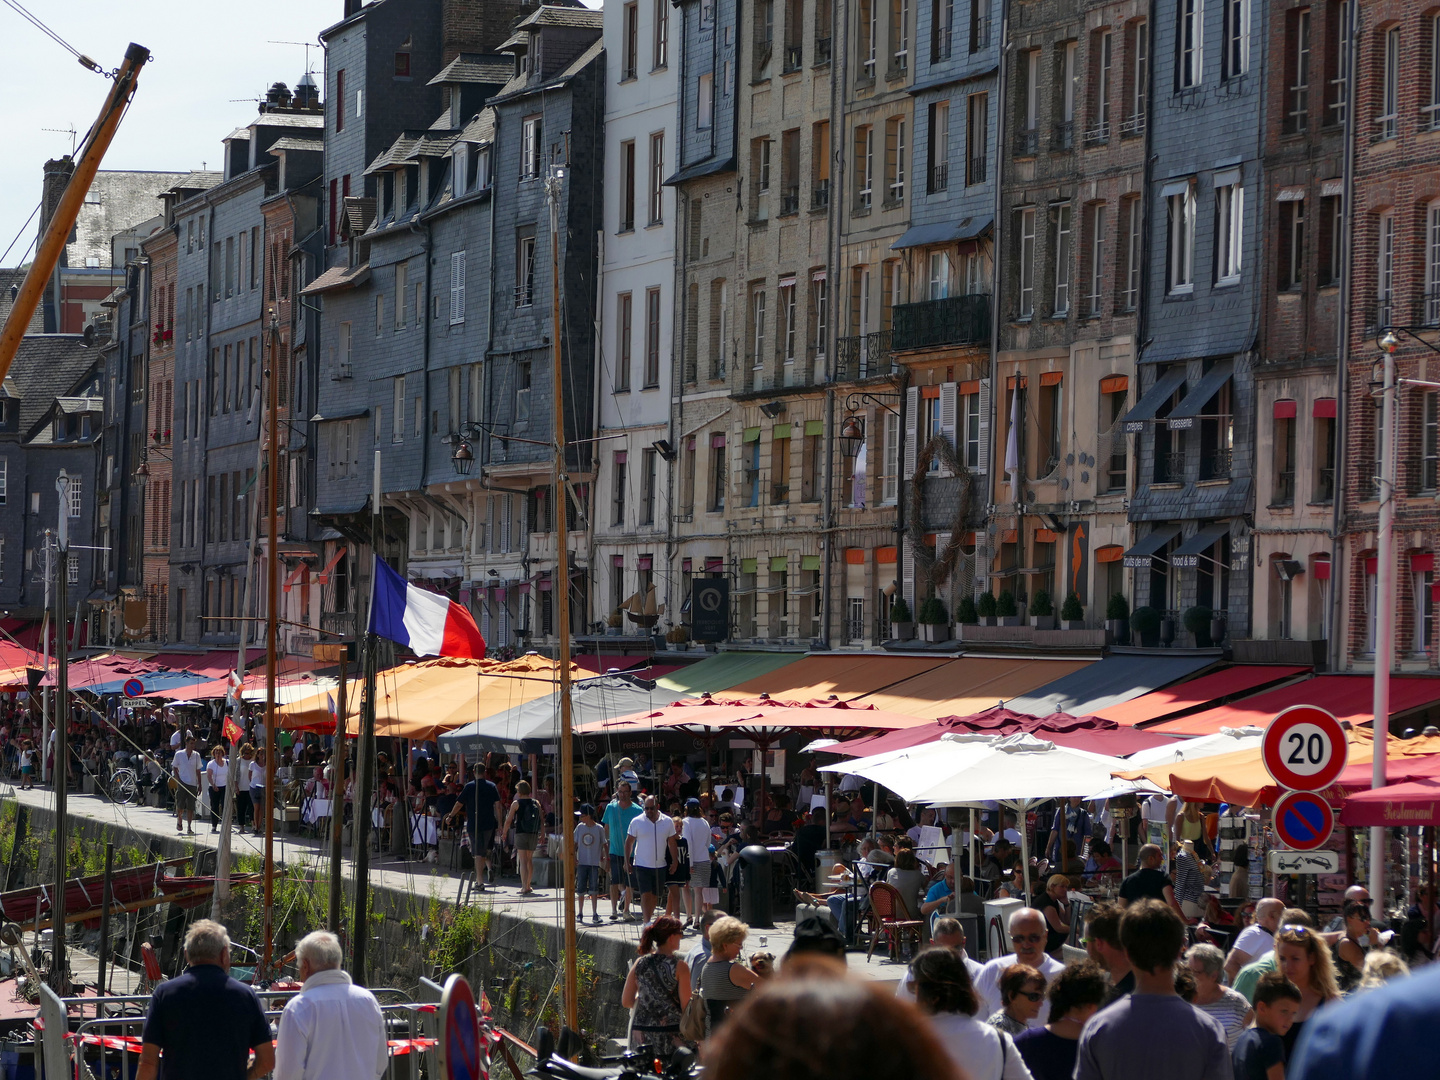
column 1296, row 929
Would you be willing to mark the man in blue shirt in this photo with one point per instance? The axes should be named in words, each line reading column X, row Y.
column 616, row 820
column 479, row 801
column 937, row 899
column 1384, row 1033
column 205, row 1022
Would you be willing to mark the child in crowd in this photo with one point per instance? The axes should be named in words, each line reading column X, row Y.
column 1260, row 1052
column 589, row 846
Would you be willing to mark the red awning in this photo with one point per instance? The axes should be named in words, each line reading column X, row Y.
column 1422, row 563
column 1324, row 408
column 1077, row 732
column 1189, row 695
column 324, row 576
column 1321, row 568
column 1285, row 409
column 1347, row 697
column 1410, row 802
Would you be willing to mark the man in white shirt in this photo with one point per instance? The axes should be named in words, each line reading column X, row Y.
column 1257, row 939
column 651, row 849
column 334, row 1030
column 1027, row 935
column 949, row 934
column 186, row 767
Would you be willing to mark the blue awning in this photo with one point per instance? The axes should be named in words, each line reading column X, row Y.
column 1108, row 682
column 1188, row 554
column 944, row 232
column 708, row 167
column 1149, row 404
column 1182, row 417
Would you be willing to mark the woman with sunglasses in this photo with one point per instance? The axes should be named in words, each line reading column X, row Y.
column 1022, row 989
column 1303, row 956
column 1350, row 950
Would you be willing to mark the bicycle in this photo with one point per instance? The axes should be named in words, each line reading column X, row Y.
column 124, row 785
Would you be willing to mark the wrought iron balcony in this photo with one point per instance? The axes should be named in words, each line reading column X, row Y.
column 1284, row 489
column 794, row 58
column 779, row 493
column 940, row 176
column 1063, row 136
column 790, row 200
column 1216, row 466
column 1325, row 486
column 1170, row 467
column 955, row 320
column 820, row 196
column 864, row 356
column 1027, row 142
column 822, row 49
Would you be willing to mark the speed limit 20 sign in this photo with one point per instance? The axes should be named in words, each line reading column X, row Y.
column 1305, row 748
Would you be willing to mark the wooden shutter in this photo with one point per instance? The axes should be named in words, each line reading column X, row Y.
column 948, row 405
column 912, row 433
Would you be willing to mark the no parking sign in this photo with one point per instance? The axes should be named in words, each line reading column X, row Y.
column 1303, row 820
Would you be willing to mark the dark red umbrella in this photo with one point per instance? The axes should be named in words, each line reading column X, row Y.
column 1089, row 733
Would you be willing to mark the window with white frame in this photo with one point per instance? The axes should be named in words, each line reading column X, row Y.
column 457, row 287
column 524, row 271
column 1190, row 42
column 1229, row 232
column 76, row 502
column 1431, row 110
column 1387, row 123
column 890, row 459
column 899, row 36
column 1069, row 80
column 1027, row 262
column 970, row 430
column 1061, row 216
column 532, row 135
column 1292, row 244
column 977, row 281
column 757, row 327
column 4, row 480
column 1385, row 268
column 397, row 409
column 1031, row 117
column 977, row 125
column 1105, row 64
column 1432, row 264
column 788, row 312
column 869, row 33
column 819, row 312
column 1235, row 39
column 864, row 166
column 72, row 570
column 895, row 160
column 1098, row 222
column 1423, row 632
column 1297, row 64
column 1140, row 76
column 662, row 33
column 657, row 176
column 939, row 177
column 1180, row 248
column 939, row 287
column 705, row 102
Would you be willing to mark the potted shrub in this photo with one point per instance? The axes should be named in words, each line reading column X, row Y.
column 678, row 635
column 902, row 625
column 615, row 624
column 1145, row 621
column 1006, row 611
column 1072, row 614
column 1117, row 619
column 934, row 620
column 1217, row 628
column 965, row 611
column 986, row 608
column 1197, row 621
column 1042, row 611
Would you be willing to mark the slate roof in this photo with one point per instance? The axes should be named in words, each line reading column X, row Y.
column 47, row 367
column 432, row 146
column 359, row 214
column 550, row 15
column 481, row 129
column 394, row 156
column 16, row 276
column 521, row 85
column 475, row 68
column 292, row 142
column 338, row 277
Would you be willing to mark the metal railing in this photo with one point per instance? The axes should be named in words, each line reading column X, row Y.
column 976, row 174
column 1298, row 118
column 1170, row 467
column 1428, row 313
column 1284, row 488
column 979, row 33
column 524, row 294
column 1098, row 135
column 940, row 176
column 1027, row 142
column 1063, row 135
column 820, row 195
column 1132, row 126
column 1217, row 465
column 954, row 320
column 1325, row 485
column 794, row 58
column 1430, row 117
column 864, row 355
column 822, row 49
column 779, row 494
column 790, row 200
column 942, row 42
column 1379, row 316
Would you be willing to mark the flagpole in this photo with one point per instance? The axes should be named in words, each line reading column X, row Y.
column 365, row 759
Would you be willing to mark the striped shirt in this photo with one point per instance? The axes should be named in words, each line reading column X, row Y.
column 1189, row 884
column 1230, row 1008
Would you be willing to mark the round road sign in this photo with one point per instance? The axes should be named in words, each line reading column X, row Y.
column 461, row 1046
column 1305, row 748
column 1303, row 820
column 134, row 688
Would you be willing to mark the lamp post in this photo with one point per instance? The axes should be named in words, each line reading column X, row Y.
column 1384, row 610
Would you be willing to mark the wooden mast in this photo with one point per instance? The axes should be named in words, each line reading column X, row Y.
column 564, row 811
column 272, row 604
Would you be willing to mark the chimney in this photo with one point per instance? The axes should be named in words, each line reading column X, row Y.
column 351, row 7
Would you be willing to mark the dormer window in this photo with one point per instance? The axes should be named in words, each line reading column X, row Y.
column 480, row 165
column 402, row 60
column 387, row 195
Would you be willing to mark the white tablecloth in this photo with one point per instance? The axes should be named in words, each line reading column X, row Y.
column 316, row 809
column 424, row 830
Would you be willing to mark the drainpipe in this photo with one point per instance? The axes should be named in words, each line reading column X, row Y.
column 997, row 247
column 422, row 229
column 839, row 54
column 1337, row 652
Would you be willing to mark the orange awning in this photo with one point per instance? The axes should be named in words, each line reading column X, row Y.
column 324, row 577
column 968, row 685
column 1241, row 777
column 847, row 677
column 295, row 574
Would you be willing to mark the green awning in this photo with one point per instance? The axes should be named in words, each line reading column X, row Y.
column 724, row 670
column 779, row 563
column 809, row 562
column 814, row 427
column 752, row 434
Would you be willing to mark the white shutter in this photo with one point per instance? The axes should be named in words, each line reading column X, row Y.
column 946, row 592
column 912, row 428
column 907, row 575
column 505, row 507
column 457, row 287
column 987, row 425
column 505, row 621
column 949, row 399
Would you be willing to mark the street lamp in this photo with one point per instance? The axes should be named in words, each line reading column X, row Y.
column 463, row 458
column 852, row 434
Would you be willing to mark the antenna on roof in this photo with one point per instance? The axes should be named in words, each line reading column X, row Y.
column 307, row 45
column 66, row 131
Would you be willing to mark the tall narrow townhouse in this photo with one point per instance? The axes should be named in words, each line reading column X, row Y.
column 240, row 338
column 549, row 127
column 1395, row 289
column 706, row 185
column 1297, row 372
column 932, row 453
column 1194, row 418
column 149, row 528
column 779, row 308
column 637, row 460
column 1072, row 202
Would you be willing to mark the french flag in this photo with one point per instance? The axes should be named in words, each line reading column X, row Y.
column 427, row 622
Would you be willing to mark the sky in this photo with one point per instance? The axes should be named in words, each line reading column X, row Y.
column 205, row 52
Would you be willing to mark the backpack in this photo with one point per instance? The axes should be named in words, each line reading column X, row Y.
column 527, row 818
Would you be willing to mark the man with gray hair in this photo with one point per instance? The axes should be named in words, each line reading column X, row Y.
column 205, row 1023
column 1027, row 937
column 1257, row 939
column 333, row 1030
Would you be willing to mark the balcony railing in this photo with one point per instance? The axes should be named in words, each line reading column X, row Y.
column 979, row 33
column 1132, row 126
column 864, row 356
column 1430, row 117
column 942, row 43
column 1098, row 135
column 1063, row 136
column 1379, row 316
column 1170, row 467
column 790, row 200
column 1027, row 142
column 524, row 294
column 779, row 494
column 820, row 196
column 794, row 58
column 977, row 171
column 1429, row 307
column 1284, row 489
column 1216, row 466
column 955, row 320
column 1325, row 486
column 940, row 176
column 822, row 49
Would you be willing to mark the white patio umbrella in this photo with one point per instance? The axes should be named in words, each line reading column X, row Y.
column 1224, row 741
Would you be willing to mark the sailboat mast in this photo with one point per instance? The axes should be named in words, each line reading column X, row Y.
column 272, row 604
column 564, row 811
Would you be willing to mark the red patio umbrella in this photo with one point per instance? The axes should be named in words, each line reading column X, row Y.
column 1090, row 733
column 1412, row 802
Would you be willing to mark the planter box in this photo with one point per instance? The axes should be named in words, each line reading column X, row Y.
column 1043, row 622
column 903, row 631
column 933, row 632
column 988, row 620
column 1119, row 631
column 1072, row 624
column 1010, row 620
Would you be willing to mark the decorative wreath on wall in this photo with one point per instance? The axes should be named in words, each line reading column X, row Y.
column 938, row 567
